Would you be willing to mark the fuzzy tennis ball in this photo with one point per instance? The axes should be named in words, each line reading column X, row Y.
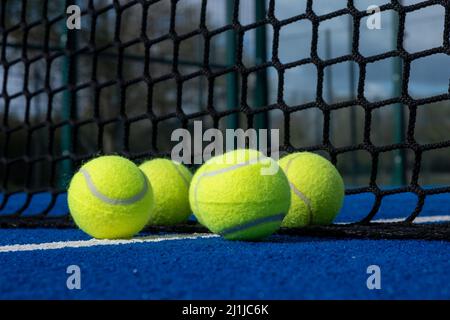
column 232, row 196
column 170, row 182
column 317, row 189
column 110, row 198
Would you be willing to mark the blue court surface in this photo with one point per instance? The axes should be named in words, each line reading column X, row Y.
column 33, row 263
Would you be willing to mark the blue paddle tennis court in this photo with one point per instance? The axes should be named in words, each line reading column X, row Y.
column 34, row 263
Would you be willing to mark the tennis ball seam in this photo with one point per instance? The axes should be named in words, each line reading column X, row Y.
column 110, row 198
column 104, row 198
column 235, row 202
column 186, row 182
column 233, row 167
column 109, row 211
column 298, row 193
column 253, row 223
column 216, row 172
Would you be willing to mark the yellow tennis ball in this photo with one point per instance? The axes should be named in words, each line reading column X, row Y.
column 232, row 196
column 170, row 182
column 110, row 198
column 317, row 189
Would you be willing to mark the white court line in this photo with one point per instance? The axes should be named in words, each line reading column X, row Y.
column 419, row 219
column 96, row 242
column 429, row 219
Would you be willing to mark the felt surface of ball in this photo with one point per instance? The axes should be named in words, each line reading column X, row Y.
column 170, row 182
column 317, row 189
column 231, row 197
column 110, row 198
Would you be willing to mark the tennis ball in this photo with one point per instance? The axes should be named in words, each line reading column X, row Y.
column 317, row 189
column 231, row 197
column 110, row 198
column 170, row 182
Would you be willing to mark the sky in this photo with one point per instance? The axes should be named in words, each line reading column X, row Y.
column 424, row 30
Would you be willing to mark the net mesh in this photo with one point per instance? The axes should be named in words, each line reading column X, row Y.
column 136, row 70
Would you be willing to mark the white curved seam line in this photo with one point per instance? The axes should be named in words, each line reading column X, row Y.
column 96, row 193
column 213, row 173
column 254, row 223
column 181, row 174
column 236, row 166
column 298, row 193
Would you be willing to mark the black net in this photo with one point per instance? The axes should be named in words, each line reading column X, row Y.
column 137, row 70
